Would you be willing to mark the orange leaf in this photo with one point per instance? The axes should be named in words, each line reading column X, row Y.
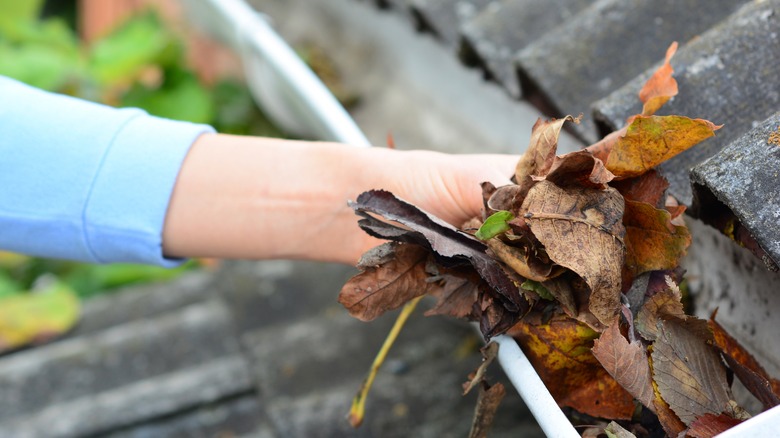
column 627, row 362
column 661, row 86
column 651, row 140
column 653, row 243
column 560, row 351
column 748, row 370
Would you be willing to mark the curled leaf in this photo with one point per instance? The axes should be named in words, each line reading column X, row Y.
column 651, row 140
column 661, row 86
column 579, row 168
column 450, row 246
column 581, row 229
column 765, row 388
column 539, row 156
column 485, row 411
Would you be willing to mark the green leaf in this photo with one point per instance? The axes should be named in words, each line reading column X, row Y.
column 37, row 317
column 535, row 286
column 40, row 65
column 495, row 225
column 181, row 97
column 15, row 12
column 138, row 43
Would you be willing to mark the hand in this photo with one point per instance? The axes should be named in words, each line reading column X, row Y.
column 245, row 197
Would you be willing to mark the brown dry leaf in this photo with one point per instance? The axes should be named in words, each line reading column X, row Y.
column 560, row 288
column 579, row 168
column 709, row 425
column 651, row 140
column 450, row 246
column 653, row 243
column 487, row 405
column 456, row 293
column 687, row 371
column 649, row 187
column 582, row 230
column 560, row 351
column 663, row 305
column 539, row 156
column 508, row 198
column 627, row 363
column 392, row 275
column 661, row 86
column 748, row 370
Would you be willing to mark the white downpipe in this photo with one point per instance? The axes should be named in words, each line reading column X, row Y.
column 280, row 82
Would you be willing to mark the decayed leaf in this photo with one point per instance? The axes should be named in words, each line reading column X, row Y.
column 456, row 292
column 539, row 156
column 487, row 405
column 561, row 290
column 663, row 305
column 560, row 351
column 627, row 363
column 517, row 260
column 509, row 198
column 614, row 430
column 661, row 86
column 687, row 371
column 379, row 288
column 581, row 229
column 579, row 168
column 748, row 370
column 34, row 318
column 651, row 140
column 489, row 353
column 709, row 425
column 451, row 246
column 653, row 243
column 649, row 187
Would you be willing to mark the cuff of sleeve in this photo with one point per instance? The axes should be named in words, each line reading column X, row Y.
column 129, row 198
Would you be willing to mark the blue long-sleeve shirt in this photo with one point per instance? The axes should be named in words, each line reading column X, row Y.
column 84, row 181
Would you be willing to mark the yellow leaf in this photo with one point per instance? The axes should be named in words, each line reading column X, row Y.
column 651, row 140
column 37, row 317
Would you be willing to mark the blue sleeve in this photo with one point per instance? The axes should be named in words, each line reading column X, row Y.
column 84, row 181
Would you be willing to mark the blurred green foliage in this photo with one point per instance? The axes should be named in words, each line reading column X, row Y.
column 139, row 64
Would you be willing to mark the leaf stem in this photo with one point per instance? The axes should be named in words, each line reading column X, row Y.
column 358, row 409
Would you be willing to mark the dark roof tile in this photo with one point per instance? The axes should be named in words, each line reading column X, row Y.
column 494, row 36
column 445, row 17
column 728, row 76
column 744, row 177
column 608, row 44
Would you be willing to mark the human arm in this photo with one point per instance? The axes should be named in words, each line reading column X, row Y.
column 259, row 198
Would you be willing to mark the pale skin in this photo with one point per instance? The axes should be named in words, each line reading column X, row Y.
column 263, row 198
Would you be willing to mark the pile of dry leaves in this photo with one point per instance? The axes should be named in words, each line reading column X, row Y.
column 578, row 260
